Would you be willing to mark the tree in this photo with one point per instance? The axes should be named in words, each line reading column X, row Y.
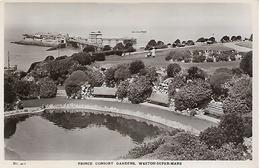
column 139, row 90
column 122, row 72
column 176, row 83
column 192, row 95
column 212, row 39
column 190, row 42
column 233, row 128
column 225, row 39
column 178, row 55
column 136, row 66
column 74, row 81
column 83, row 58
column 150, row 44
column 246, row 64
column 239, row 38
column 26, row 89
column 213, row 137
column 233, row 38
column 119, row 47
column 109, row 76
column 94, row 78
column 178, row 41
column 230, row 152
column 89, row 48
column 106, row 48
column 201, row 40
column 122, row 89
column 49, row 58
column 195, row 72
column 48, row 88
column 173, row 69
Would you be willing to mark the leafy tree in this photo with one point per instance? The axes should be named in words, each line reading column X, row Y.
column 213, row 137
column 119, row 47
column 139, row 90
column 136, row 66
column 83, row 58
column 176, row 83
column 122, row 72
column 233, row 128
column 198, row 58
column 230, row 152
column 94, row 78
column 246, row 64
column 233, row 38
column 173, row 69
column 178, row 55
column 150, row 73
column 178, row 41
column 225, row 39
column 48, row 88
column 107, row 48
column 212, row 39
column 109, row 76
column 201, row 40
column 74, row 81
column 89, row 48
column 192, row 95
column 122, row 89
column 239, row 38
column 99, row 56
column 251, row 37
column 150, row 44
column 195, row 72
column 26, row 89
column 190, row 42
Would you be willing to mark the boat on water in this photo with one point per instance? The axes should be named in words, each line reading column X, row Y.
column 10, row 68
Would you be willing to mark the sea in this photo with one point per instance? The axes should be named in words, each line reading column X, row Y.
column 24, row 55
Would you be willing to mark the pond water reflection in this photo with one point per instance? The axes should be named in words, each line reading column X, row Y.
column 73, row 136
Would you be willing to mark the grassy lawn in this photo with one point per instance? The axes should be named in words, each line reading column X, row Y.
column 159, row 60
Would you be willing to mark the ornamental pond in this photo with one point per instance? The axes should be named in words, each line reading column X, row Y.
column 74, row 136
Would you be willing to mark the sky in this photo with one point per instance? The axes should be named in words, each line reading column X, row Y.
column 166, row 21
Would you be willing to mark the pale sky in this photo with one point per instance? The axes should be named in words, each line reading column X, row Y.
column 184, row 20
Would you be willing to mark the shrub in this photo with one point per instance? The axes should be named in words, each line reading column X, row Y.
column 173, row 45
column 48, row 88
column 198, row 58
column 212, row 39
column 118, row 52
column 209, row 59
column 122, row 72
column 94, row 78
column 150, row 73
column 61, row 57
column 122, row 88
column 176, row 83
column 83, row 58
column 119, row 47
column 139, row 90
column 49, row 58
column 109, row 76
column 201, row 40
column 222, row 57
column 190, row 42
column 74, row 81
column 168, row 57
column 232, row 57
column 89, row 48
column 230, row 152
column 173, row 69
column 33, row 66
column 107, row 48
column 236, row 106
column 247, row 121
column 136, row 66
column 246, row 64
column 195, row 72
column 178, row 41
column 26, row 89
column 193, row 95
column 179, row 55
column 60, row 68
column 233, row 128
column 99, row 56
column 213, row 137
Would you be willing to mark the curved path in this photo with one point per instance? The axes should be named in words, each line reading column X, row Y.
column 155, row 112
